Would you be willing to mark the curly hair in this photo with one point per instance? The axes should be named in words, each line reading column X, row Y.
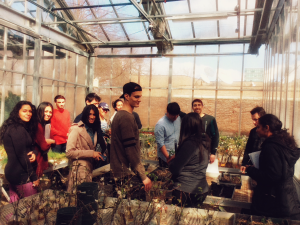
column 85, row 117
column 275, row 126
column 41, row 112
column 15, row 120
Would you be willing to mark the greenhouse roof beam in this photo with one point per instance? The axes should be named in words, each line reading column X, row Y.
column 170, row 16
column 260, row 24
column 275, row 18
column 192, row 23
column 168, row 55
column 105, row 5
column 129, row 44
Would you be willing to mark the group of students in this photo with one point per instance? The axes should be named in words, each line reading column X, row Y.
column 23, row 136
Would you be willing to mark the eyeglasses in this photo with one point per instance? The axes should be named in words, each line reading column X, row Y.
column 105, row 110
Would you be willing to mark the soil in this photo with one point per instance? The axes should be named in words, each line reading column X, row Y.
column 221, row 190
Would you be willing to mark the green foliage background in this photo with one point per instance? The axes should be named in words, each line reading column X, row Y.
column 10, row 101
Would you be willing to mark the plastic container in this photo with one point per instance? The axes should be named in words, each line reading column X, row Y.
column 68, row 215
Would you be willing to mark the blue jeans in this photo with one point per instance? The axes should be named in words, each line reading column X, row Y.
column 59, row 148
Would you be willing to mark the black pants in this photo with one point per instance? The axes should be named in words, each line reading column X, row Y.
column 187, row 199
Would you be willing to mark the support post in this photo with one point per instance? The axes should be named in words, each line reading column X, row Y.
column 36, row 72
column 25, row 65
column 90, row 74
column 75, row 88
column 4, row 76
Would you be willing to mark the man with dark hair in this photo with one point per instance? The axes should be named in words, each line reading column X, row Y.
column 254, row 141
column 210, row 127
column 91, row 98
column 167, row 132
column 60, row 124
column 125, row 152
column 94, row 99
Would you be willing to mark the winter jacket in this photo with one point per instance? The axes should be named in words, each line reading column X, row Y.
column 253, row 145
column 80, row 150
column 209, row 125
column 17, row 143
column 99, row 133
column 188, row 171
column 275, row 194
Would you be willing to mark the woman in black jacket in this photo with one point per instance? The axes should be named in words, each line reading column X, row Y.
column 17, row 134
column 189, row 164
column 275, row 194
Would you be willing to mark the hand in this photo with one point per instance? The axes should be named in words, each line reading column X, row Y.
column 50, row 141
column 36, row 183
column 243, row 169
column 97, row 155
column 32, row 156
column 212, row 158
column 109, row 132
column 148, row 184
column 170, row 159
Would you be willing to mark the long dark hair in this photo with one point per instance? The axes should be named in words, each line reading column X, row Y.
column 14, row 119
column 275, row 126
column 41, row 112
column 191, row 128
column 85, row 117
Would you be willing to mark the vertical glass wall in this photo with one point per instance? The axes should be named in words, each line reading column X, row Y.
column 58, row 73
column 227, row 79
column 282, row 80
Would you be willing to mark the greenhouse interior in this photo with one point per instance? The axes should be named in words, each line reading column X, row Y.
column 234, row 55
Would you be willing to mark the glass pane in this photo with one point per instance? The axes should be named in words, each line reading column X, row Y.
column 71, row 67
column 159, row 100
column 82, row 69
column 228, row 117
column 15, row 51
column 12, row 93
column 183, row 98
column 47, row 93
column 29, row 88
column 230, row 72
column 123, row 70
column 70, row 101
column 182, row 72
column 206, row 72
column 61, row 64
column 254, row 70
column 80, row 103
column 47, row 62
column 250, row 100
column 160, row 72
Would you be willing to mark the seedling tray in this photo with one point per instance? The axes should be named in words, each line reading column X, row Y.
column 231, row 179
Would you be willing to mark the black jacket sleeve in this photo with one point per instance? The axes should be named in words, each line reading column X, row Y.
column 100, row 140
column 248, row 149
column 272, row 167
column 214, row 136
